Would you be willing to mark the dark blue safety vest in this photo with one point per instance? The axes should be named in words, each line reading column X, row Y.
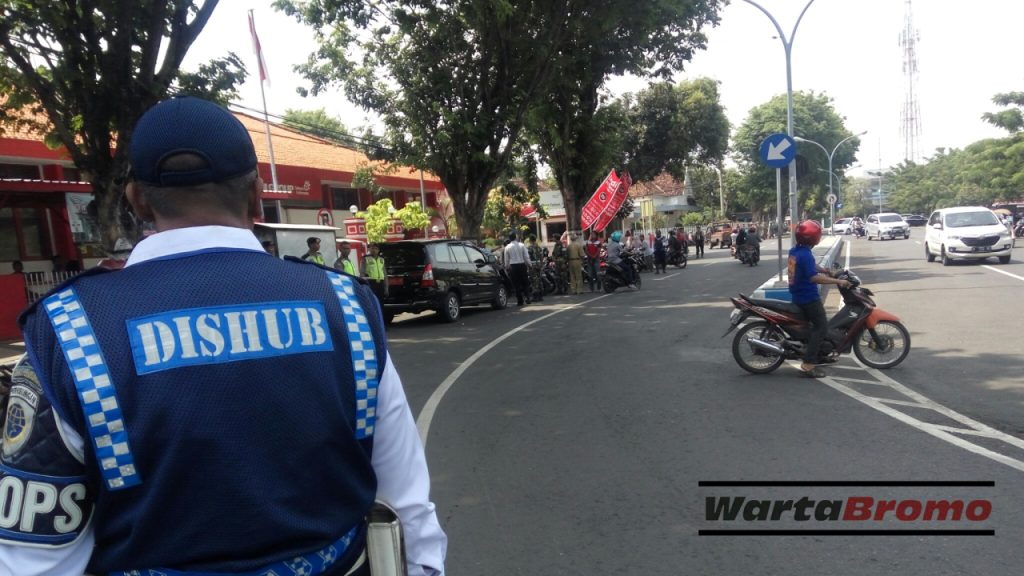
column 227, row 415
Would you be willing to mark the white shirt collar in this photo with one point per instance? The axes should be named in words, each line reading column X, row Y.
column 191, row 239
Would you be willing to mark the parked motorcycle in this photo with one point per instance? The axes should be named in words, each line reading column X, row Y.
column 1018, row 231
column 612, row 277
column 780, row 332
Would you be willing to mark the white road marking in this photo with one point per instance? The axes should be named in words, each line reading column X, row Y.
column 430, row 408
column 665, row 277
column 950, row 434
column 889, row 406
column 1021, row 278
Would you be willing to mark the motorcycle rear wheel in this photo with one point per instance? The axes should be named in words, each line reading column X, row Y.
column 888, row 349
column 609, row 285
column 756, row 360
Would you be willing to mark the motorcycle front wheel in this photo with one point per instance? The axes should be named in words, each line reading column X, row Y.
column 752, row 358
column 883, row 346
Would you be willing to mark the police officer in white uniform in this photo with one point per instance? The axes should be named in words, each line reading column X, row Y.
column 177, row 417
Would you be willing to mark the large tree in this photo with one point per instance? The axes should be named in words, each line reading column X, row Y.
column 814, row 118
column 611, row 37
column 675, row 126
column 93, row 67
column 451, row 81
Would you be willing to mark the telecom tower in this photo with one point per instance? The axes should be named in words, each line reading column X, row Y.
column 911, row 116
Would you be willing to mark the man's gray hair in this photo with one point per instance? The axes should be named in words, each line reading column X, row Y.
column 231, row 195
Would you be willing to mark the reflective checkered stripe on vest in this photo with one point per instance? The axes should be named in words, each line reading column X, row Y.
column 95, row 390
column 159, row 387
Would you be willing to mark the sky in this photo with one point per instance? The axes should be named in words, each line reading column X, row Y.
column 846, row 49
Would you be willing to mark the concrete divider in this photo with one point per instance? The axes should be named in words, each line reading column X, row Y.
column 827, row 252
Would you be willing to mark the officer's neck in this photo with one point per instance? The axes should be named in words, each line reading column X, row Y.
column 212, row 218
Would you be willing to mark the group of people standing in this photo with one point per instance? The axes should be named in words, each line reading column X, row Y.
column 372, row 268
column 525, row 266
column 577, row 262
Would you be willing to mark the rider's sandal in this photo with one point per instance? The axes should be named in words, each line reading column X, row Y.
column 812, row 373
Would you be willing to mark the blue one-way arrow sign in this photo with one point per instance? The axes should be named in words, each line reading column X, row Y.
column 778, row 150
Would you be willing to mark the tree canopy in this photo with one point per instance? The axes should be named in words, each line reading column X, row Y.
column 608, row 38
column 675, row 126
column 318, row 123
column 451, row 82
column 814, row 118
column 94, row 67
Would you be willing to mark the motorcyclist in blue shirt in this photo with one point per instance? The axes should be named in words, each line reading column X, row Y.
column 804, row 277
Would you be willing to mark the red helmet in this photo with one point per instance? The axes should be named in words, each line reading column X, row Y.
column 808, row 233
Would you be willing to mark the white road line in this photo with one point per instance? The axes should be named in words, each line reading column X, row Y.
column 1021, row 278
column 10, row 359
column 430, row 408
column 943, row 432
column 665, row 277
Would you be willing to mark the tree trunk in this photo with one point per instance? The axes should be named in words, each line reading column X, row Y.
column 114, row 214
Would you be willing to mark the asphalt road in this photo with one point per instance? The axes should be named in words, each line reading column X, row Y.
column 571, row 437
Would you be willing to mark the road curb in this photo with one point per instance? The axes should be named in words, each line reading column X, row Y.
column 773, row 289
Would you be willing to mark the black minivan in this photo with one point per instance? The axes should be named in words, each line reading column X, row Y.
column 441, row 275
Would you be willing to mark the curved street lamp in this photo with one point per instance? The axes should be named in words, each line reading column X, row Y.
column 787, row 44
column 830, row 155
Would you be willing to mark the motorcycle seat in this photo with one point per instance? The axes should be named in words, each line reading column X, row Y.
column 777, row 305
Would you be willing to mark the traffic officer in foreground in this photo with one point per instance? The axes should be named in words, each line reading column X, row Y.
column 176, row 417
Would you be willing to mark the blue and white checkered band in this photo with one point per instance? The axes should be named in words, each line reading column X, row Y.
column 364, row 354
column 95, row 390
column 312, row 564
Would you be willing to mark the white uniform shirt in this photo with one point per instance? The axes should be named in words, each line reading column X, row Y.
column 516, row 253
column 398, row 458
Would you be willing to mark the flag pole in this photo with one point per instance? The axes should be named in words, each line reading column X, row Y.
column 266, row 117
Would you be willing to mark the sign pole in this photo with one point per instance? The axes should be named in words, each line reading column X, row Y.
column 778, row 208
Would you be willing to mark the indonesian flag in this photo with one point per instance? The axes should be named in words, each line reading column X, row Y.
column 594, row 207
column 258, row 50
column 618, row 197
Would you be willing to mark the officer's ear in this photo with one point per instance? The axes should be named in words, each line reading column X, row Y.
column 139, row 204
column 255, row 199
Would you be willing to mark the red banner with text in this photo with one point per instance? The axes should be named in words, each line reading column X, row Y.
column 594, row 207
column 618, row 197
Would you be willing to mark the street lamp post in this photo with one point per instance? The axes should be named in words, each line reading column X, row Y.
column 830, row 155
column 787, row 44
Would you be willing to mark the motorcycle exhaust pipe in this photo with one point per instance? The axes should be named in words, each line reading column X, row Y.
column 766, row 346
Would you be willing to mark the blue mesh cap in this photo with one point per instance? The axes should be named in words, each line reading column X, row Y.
column 193, row 126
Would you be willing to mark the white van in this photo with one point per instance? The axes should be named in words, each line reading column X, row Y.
column 966, row 233
column 887, row 225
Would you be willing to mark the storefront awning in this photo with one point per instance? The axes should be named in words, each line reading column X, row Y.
column 21, row 185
